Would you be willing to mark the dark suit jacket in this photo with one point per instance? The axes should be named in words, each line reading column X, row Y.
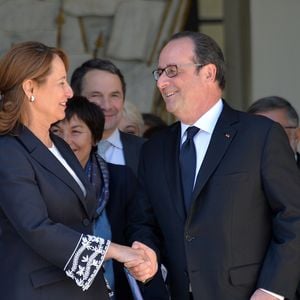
column 242, row 230
column 132, row 147
column 120, row 208
column 298, row 160
column 42, row 215
column 122, row 188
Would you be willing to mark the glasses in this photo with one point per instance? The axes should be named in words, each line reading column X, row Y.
column 290, row 127
column 172, row 70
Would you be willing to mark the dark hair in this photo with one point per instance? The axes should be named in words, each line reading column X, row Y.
column 94, row 64
column 27, row 60
column 207, row 51
column 152, row 120
column 89, row 112
column 154, row 123
column 271, row 103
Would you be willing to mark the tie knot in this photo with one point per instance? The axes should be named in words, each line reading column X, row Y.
column 102, row 147
column 191, row 132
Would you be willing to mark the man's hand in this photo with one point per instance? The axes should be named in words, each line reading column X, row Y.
column 261, row 295
column 145, row 270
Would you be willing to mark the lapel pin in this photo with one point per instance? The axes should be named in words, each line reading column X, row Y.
column 227, row 135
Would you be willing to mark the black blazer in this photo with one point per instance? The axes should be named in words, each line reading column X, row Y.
column 120, row 208
column 132, row 147
column 122, row 188
column 242, row 230
column 43, row 213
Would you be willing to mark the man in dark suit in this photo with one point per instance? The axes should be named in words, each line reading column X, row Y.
column 280, row 110
column 234, row 234
column 103, row 83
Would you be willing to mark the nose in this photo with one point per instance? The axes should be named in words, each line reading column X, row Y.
column 66, row 137
column 69, row 92
column 162, row 81
column 105, row 103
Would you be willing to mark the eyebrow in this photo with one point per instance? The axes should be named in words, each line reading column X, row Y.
column 76, row 126
column 116, row 92
column 167, row 65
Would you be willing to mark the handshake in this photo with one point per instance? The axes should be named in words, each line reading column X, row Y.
column 140, row 260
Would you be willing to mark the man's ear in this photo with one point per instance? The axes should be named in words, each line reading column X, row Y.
column 298, row 139
column 210, row 72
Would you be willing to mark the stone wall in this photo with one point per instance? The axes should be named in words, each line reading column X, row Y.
column 129, row 32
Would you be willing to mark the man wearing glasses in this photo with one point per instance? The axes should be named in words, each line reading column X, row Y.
column 219, row 189
column 280, row 110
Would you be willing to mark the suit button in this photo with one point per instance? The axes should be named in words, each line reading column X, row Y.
column 86, row 222
column 188, row 237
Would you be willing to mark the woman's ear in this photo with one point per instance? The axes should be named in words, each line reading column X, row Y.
column 27, row 86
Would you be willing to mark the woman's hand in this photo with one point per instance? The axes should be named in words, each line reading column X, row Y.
column 143, row 271
column 125, row 254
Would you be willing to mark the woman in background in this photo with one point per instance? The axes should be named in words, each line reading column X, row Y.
column 132, row 120
column 115, row 185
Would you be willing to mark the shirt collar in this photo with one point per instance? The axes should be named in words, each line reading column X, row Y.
column 115, row 139
column 208, row 121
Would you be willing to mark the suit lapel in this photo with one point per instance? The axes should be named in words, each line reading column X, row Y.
column 44, row 157
column 88, row 202
column 223, row 135
column 171, row 161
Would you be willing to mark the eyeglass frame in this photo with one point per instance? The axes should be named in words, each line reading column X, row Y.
column 158, row 72
column 290, row 127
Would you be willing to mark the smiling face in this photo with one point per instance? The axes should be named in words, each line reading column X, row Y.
column 50, row 95
column 77, row 134
column 190, row 93
column 105, row 89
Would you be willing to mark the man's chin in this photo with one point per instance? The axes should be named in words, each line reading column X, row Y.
column 110, row 127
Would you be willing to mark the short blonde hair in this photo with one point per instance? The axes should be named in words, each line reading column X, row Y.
column 131, row 113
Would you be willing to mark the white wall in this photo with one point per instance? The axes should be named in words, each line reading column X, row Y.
column 275, row 49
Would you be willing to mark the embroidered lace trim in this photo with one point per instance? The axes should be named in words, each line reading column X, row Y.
column 86, row 260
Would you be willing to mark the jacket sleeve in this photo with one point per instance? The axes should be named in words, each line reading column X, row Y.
column 281, row 183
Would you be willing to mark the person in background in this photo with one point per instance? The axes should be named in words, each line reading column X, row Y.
column 115, row 185
column 219, row 189
column 152, row 124
column 131, row 121
column 101, row 82
column 280, row 110
column 48, row 249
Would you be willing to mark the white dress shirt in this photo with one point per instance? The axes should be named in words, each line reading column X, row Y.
column 207, row 124
column 113, row 152
column 57, row 154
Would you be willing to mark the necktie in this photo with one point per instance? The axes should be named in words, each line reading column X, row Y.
column 188, row 165
column 103, row 147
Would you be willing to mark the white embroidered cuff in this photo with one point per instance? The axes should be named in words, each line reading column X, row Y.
column 86, row 260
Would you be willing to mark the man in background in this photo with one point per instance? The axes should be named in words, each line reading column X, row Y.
column 281, row 111
column 101, row 82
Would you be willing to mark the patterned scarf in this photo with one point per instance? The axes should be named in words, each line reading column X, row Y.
column 97, row 172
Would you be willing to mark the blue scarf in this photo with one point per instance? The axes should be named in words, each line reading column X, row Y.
column 97, row 172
